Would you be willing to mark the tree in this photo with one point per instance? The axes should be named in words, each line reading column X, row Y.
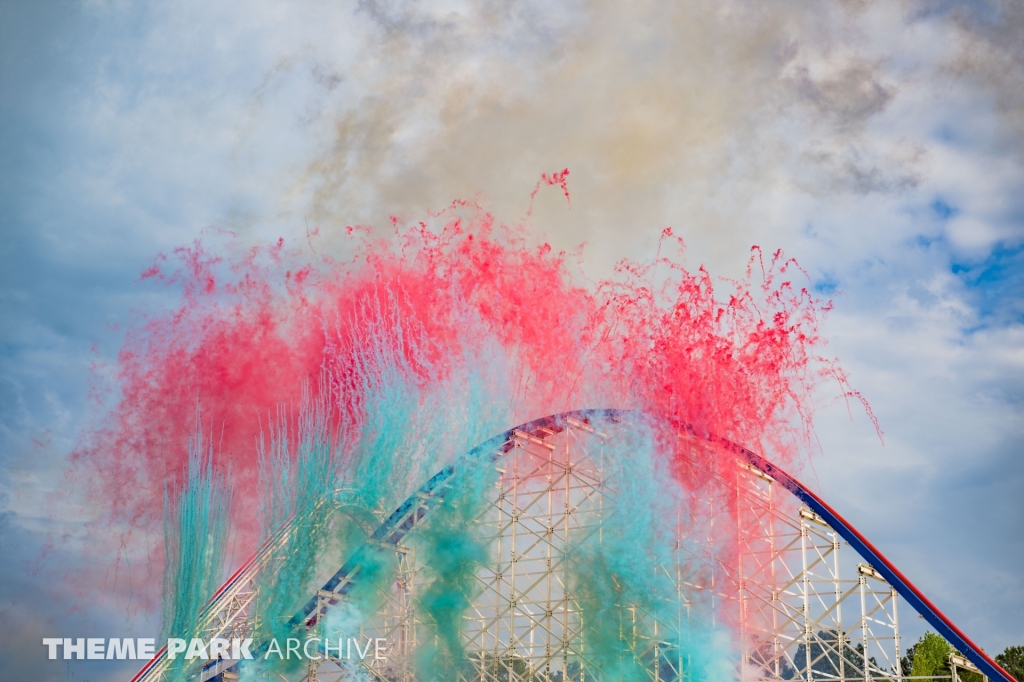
column 1012, row 660
column 929, row 656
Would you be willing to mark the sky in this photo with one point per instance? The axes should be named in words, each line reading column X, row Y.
column 879, row 143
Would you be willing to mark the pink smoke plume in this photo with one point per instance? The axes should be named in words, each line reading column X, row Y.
column 739, row 359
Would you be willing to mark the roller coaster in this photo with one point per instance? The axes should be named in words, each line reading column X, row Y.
column 809, row 596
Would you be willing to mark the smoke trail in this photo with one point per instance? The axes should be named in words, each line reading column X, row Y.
column 400, row 420
column 197, row 523
column 299, row 473
column 625, row 577
column 454, row 547
column 417, row 417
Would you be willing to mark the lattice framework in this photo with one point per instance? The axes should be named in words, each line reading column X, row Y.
column 805, row 607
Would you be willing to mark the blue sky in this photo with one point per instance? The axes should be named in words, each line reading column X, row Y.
column 880, row 143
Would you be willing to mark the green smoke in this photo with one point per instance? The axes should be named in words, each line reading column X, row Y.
column 196, row 528
column 453, row 547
